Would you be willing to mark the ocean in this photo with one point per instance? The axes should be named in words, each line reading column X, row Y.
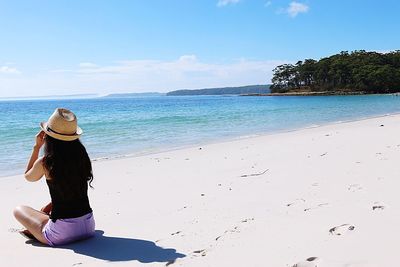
column 132, row 126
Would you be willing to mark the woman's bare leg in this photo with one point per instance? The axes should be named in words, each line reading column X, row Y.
column 33, row 220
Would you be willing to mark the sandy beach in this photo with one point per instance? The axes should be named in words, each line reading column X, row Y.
column 327, row 194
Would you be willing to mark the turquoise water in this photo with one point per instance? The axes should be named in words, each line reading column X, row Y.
column 137, row 125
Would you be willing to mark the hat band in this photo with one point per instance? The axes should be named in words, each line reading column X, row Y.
column 52, row 131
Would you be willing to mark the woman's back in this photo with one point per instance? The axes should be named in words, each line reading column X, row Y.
column 69, row 171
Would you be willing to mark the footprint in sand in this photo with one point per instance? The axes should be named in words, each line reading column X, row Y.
column 170, row 262
column 236, row 229
column 316, row 207
column 310, row 262
column 176, row 233
column 296, row 202
column 354, row 187
column 378, row 206
column 247, row 220
column 341, row 229
column 200, row 252
column 14, row 230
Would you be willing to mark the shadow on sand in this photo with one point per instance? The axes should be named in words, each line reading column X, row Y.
column 121, row 249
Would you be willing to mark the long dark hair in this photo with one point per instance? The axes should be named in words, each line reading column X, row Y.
column 67, row 164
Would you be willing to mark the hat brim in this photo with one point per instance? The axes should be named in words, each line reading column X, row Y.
column 62, row 137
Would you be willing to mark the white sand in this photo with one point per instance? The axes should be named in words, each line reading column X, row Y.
column 197, row 202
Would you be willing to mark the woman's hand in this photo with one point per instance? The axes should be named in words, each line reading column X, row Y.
column 47, row 209
column 40, row 139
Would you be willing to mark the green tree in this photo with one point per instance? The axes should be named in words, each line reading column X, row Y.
column 357, row 71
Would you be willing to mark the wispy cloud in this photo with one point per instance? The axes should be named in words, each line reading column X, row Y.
column 9, row 70
column 187, row 71
column 87, row 65
column 268, row 3
column 184, row 71
column 222, row 3
column 296, row 8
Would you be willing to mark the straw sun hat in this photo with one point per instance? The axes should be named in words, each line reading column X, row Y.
column 62, row 125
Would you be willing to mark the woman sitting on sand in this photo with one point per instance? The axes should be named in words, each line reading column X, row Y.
column 68, row 171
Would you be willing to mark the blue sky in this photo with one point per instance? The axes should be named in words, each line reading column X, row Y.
column 74, row 46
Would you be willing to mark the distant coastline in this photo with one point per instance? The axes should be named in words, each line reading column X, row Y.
column 248, row 89
column 239, row 90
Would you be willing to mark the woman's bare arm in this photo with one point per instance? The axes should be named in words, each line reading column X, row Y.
column 33, row 158
column 34, row 170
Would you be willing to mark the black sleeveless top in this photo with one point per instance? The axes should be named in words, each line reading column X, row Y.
column 70, row 205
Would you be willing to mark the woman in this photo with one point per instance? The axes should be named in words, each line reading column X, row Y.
column 68, row 172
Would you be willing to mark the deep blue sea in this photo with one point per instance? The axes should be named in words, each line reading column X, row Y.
column 138, row 125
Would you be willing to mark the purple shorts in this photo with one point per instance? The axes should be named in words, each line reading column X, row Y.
column 64, row 231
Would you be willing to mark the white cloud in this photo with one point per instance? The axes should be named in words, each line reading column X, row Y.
column 226, row 2
column 296, row 8
column 9, row 70
column 187, row 58
column 268, row 3
column 384, row 51
column 87, row 65
column 185, row 72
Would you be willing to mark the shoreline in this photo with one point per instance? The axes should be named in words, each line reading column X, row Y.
column 217, row 141
column 317, row 93
column 233, row 139
column 326, row 93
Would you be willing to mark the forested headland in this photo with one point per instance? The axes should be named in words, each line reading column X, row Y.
column 355, row 72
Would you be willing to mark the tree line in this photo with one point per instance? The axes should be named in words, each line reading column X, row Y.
column 357, row 71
